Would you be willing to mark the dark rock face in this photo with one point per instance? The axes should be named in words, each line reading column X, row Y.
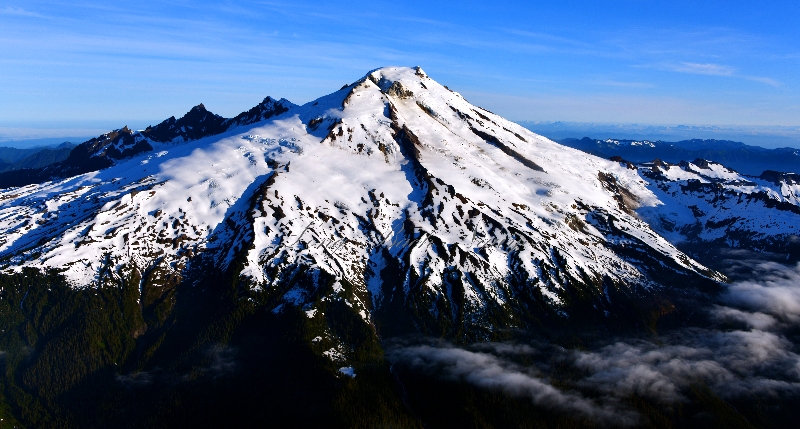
column 777, row 177
column 194, row 125
column 116, row 145
column 263, row 111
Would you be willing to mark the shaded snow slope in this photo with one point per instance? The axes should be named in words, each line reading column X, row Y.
column 393, row 192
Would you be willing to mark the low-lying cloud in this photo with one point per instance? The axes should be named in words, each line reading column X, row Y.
column 776, row 292
column 730, row 363
column 218, row 360
column 490, row 371
column 748, row 352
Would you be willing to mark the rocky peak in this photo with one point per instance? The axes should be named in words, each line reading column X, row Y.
column 195, row 124
column 104, row 150
column 268, row 108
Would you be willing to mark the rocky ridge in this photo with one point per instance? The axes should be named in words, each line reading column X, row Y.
column 704, row 203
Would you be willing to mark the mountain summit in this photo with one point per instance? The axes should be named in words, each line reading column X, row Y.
column 394, row 196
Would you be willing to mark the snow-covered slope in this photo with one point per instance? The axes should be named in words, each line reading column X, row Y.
column 392, row 194
column 705, row 202
column 110, row 148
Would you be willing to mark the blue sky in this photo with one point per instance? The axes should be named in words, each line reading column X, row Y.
column 88, row 65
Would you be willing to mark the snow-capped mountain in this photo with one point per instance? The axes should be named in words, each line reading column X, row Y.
column 705, row 203
column 393, row 196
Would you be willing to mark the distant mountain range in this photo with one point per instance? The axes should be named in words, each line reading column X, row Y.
column 17, row 159
column 746, row 159
column 769, row 136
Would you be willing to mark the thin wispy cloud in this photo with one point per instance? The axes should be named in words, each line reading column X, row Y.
column 766, row 80
column 547, row 37
column 711, row 69
column 698, row 68
column 18, row 11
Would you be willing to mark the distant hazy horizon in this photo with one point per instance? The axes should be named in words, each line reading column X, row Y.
column 765, row 136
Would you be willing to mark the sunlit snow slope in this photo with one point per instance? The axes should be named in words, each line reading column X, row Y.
column 392, row 193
